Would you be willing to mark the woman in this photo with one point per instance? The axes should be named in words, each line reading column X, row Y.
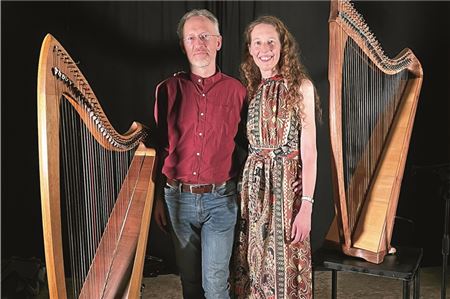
column 273, row 256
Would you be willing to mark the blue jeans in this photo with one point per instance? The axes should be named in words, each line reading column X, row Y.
column 203, row 232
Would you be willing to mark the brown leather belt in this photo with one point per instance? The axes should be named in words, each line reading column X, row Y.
column 194, row 188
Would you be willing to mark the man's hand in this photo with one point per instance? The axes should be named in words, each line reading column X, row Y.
column 160, row 215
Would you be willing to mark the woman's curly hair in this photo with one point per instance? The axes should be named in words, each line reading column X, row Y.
column 289, row 66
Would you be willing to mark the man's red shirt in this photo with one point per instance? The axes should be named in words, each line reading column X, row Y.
column 197, row 120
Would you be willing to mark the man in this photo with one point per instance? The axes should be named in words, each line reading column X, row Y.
column 198, row 114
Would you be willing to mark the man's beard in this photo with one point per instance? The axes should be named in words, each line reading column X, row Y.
column 204, row 62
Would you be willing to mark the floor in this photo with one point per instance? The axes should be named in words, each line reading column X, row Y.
column 350, row 285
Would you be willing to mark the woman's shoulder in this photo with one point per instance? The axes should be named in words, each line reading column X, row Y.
column 306, row 85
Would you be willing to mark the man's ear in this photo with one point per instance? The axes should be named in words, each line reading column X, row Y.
column 219, row 43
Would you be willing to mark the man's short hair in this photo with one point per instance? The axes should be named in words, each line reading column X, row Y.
column 197, row 13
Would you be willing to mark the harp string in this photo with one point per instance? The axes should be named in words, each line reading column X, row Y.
column 93, row 177
column 369, row 101
column 68, row 174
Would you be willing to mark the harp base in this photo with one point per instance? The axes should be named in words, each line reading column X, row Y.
column 372, row 257
column 334, row 240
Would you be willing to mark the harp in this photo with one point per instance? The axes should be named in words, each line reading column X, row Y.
column 373, row 101
column 96, row 187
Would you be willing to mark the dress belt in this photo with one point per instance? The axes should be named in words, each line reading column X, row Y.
column 194, row 188
column 284, row 151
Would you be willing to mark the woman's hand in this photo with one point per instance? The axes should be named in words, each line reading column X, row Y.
column 297, row 186
column 302, row 223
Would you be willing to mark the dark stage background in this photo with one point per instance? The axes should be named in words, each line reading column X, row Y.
column 125, row 48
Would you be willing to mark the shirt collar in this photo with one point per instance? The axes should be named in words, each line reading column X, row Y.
column 206, row 81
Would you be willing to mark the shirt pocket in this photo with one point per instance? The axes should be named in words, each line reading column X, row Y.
column 223, row 119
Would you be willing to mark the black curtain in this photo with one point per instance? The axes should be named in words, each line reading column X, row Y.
column 125, row 48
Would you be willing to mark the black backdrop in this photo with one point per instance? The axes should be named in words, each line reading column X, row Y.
column 125, row 48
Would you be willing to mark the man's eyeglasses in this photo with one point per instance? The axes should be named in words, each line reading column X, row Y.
column 203, row 37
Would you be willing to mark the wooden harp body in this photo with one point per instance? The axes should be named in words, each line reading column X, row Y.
column 373, row 101
column 96, row 187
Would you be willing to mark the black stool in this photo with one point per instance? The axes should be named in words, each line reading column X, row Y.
column 403, row 265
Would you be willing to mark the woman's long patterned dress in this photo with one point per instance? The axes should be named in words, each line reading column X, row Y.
column 266, row 265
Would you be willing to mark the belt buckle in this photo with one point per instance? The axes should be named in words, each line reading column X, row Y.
column 196, row 186
column 190, row 188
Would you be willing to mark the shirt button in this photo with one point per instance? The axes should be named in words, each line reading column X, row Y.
column 199, row 80
column 201, row 113
column 203, row 94
column 194, row 173
column 200, row 134
column 198, row 154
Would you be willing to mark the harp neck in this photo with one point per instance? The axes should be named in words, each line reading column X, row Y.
column 353, row 25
